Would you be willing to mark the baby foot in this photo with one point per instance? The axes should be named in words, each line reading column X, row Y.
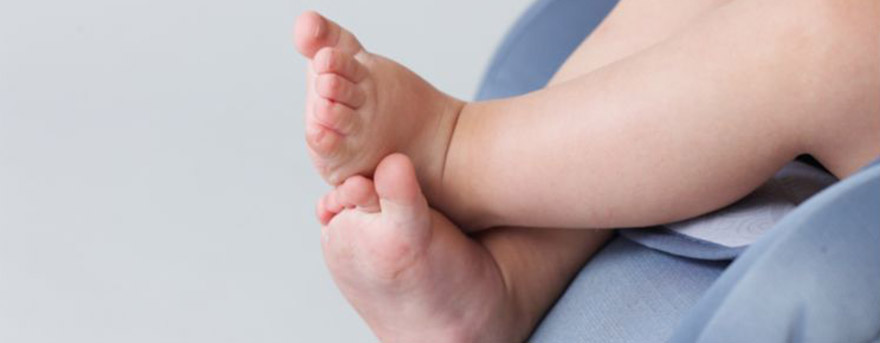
column 409, row 272
column 361, row 107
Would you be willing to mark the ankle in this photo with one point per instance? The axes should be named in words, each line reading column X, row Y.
column 457, row 192
column 436, row 141
column 525, row 299
column 506, row 318
column 499, row 321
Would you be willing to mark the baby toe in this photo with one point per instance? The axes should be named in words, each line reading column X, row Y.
column 323, row 213
column 339, row 89
column 335, row 116
column 322, row 141
column 335, row 61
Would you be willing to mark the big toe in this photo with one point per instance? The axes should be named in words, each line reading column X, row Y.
column 400, row 196
column 314, row 32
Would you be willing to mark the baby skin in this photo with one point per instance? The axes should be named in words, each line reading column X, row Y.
column 362, row 107
column 410, row 273
column 414, row 276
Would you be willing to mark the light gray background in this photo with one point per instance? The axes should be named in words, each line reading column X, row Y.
column 154, row 185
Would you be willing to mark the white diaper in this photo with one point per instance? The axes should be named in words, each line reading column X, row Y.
column 740, row 224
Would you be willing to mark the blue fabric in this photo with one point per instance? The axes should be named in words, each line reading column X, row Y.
column 627, row 293
column 813, row 278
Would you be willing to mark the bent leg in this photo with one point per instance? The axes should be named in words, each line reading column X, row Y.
column 631, row 27
column 722, row 105
column 558, row 40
